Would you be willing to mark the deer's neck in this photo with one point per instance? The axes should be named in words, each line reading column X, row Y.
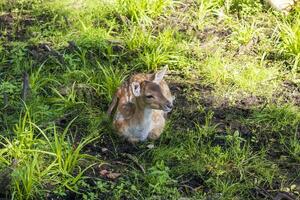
column 143, row 114
column 147, row 115
column 142, row 122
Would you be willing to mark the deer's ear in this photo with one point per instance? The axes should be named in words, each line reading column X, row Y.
column 136, row 89
column 158, row 76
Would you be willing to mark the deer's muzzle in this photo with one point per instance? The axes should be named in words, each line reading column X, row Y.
column 168, row 107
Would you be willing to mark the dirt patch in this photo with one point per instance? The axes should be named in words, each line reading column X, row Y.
column 186, row 106
column 213, row 31
column 190, row 183
column 111, row 147
column 6, row 25
column 190, row 110
column 289, row 92
column 6, row 21
column 39, row 52
column 14, row 27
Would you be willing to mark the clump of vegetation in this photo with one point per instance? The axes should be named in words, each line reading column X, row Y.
column 234, row 70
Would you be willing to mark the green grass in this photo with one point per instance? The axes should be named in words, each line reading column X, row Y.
column 42, row 160
column 290, row 41
column 234, row 69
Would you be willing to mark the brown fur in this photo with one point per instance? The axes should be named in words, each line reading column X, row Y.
column 140, row 117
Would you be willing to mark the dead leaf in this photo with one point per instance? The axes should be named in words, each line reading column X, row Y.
column 150, row 146
column 113, row 175
column 110, row 175
column 104, row 172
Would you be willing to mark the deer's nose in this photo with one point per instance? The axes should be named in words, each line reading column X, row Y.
column 169, row 105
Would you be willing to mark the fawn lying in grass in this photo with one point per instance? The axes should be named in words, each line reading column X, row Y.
column 142, row 103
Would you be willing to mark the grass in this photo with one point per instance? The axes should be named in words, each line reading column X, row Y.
column 234, row 69
column 42, row 160
column 290, row 37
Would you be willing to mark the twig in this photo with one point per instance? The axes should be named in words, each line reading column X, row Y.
column 73, row 46
column 134, row 159
column 187, row 186
column 56, row 54
column 5, row 99
column 282, row 195
column 264, row 192
column 67, row 21
column 26, row 88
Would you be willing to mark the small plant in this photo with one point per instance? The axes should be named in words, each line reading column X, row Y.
column 203, row 10
column 154, row 51
column 68, row 101
column 244, row 33
column 110, row 80
column 208, row 129
column 248, row 77
column 273, row 119
column 142, row 11
column 292, row 145
column 8, row 88
column 290, row 41
column 41, row 159
column 159, row 180
column 243, row 7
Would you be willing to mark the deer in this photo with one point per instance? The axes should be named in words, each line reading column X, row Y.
column 284, row 6
column 141, row 106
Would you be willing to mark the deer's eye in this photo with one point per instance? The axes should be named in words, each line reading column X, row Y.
column 149, row 97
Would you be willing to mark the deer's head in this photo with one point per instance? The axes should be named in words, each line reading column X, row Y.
column 150, row 94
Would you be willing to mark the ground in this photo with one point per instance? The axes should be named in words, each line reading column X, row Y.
column 233, row 68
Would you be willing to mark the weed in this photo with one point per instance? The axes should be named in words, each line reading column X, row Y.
column 198, row 154
column 245, row 33
column 250, row 77
column 243, row 7
column 42, row 159
column 110, row 80
column 273, row 119
column 290, row 41
column 295, row 147
column 158, row 178
column 142, row 11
